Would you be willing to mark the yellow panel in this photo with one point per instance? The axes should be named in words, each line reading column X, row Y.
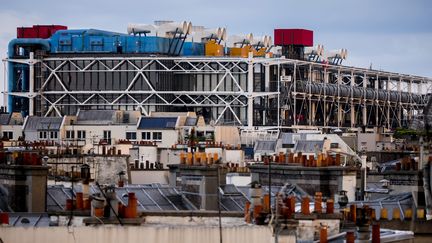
column 239, row 52
column 213, row 49
column 260, row 53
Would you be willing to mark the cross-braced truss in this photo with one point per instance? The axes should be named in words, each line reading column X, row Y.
column 248, row 92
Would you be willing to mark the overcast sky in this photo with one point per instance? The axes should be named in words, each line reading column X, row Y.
column 392, row 35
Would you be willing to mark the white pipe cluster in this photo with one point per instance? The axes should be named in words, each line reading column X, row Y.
column 163, row 29
column 198, row 33
column 203, row 34
column 240, row 39
column 317, row 50
column 262, row 41
column 340, row 54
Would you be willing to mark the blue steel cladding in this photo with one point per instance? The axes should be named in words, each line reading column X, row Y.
column 90, row 41
column 97, row 41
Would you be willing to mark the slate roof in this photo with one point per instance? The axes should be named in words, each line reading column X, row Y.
column 191, row 121
column 96, row 116
column 152, row 197
column 309, row 146
column 35, row 123
column 157, row 123
column 4, row 118
column 29, row 219
column 264, row 146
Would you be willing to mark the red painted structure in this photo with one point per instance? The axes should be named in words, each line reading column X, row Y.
column 39, row 31
column 297, row 37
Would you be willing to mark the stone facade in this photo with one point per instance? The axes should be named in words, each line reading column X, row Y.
column 24, row 187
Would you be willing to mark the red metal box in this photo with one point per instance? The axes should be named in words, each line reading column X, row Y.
column 300, row 37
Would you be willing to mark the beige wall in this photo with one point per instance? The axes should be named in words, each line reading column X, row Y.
column 166, row 229
column 233, row 156
column 227, row 135
column 95, row 132
column 131, row 234
column 16, row 129
column 366, row 141
column 149, row 176
column 169, row 137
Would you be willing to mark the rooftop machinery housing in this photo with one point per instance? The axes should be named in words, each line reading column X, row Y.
column 238, row 80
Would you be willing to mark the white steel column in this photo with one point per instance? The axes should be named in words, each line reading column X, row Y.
column 31, row 84
column 295, row 95
column 364, row 115
column 399, row 113
column 388, row 102
column 267, row 89
column 325, row 98
column 311, row 115
column 250, row 97
column 279, row 91
column 410, row 100
column 377, row 104
column 339, row 111
column 353, row 122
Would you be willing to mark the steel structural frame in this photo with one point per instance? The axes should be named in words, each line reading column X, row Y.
column 234, row 89
column 386, row 113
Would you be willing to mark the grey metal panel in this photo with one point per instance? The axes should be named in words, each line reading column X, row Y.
column 153, row 197
column 145, row 200
column 159, row 199
column 43, row 123
column 230, row 189
column 265, row 146
column 4, row 118
column 93, row 116
column 174, row 198
column 59, row 194
column 229, row 204
column 191, row 121
column 29, row 219
column 53, row 205
column 286, row 138
column 309, row 146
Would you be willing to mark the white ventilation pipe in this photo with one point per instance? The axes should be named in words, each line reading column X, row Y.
column 141, row 28
column 240, row 39
column 262, row 41
column 163, row 28
column 317, row 50
column 340, row 53
column 183, row 27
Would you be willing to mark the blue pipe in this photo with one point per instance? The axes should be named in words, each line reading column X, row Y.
column 45, row 44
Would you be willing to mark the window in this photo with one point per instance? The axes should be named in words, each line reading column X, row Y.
column 8, row 135
column 54, row 135
column 131, row 135
column 70, row 134
column 107, row 136
column 43, row 135
column 81, row 134
column 146, row 136
column 157, row 136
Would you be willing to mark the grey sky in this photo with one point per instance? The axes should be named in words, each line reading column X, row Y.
column 393, row 35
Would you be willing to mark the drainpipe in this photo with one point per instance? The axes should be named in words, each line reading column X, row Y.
column 363, row 175
column 421, row 157
column 427, row 190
